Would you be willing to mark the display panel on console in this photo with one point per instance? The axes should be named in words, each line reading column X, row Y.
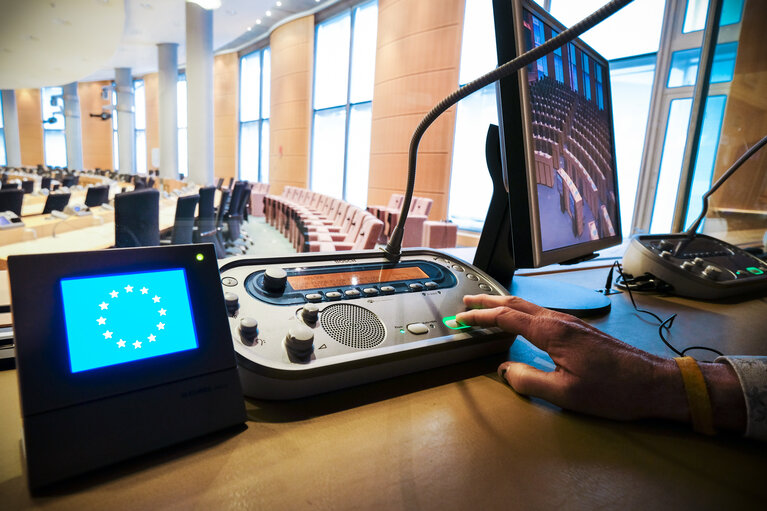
column 115, row 319
column 354, row 278
column 569, row 113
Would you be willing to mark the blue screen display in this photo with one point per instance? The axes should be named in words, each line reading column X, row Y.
column 114, row 319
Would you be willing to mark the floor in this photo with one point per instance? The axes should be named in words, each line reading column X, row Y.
column 267, row 240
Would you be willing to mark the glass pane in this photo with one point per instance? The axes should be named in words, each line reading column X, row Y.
column 55, row 148
column 364, row 52
column 331, row 67
column 328, row 152
column 115, row 151
column 114, row 109
column 141, row 151
column 478, row 54
column 266, row 82
column 358, row 155
column 631, row 81
column 249, row 151
column 684, row 65
column 670, row 165
column 183, row 165
column 139, row 102
column 695, row 15
column 250, row 86
column 1, row 112
column 52, row 108
column 638, row 24
column 470, row 184
column 181, row 100
column 3, row 161
column 264, row 152
column 704, row 164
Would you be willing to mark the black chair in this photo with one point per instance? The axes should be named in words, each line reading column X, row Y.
column 206, row 215
column 137, row 218
column 69, row 181
column 217, row 236
column 150, row 182
column 97, row 195
column 28, row 186
column 183, row 223
column 11, row 186
column 220, row 183
column 140, row 184
column 45, row 182
column 11, row 200
column 56, row 202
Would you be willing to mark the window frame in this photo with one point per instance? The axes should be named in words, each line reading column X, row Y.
column 261, row 173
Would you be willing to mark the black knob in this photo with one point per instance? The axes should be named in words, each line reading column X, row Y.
column 300, row 341
column 248, row 330
column 232, row 302
column 310, row 313
column 275, row 279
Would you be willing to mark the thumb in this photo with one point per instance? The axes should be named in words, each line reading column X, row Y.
column 530, row 381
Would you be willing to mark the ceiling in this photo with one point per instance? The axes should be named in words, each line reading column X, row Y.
column 55, row 42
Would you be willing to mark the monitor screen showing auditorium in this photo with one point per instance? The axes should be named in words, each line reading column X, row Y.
column 566, row 126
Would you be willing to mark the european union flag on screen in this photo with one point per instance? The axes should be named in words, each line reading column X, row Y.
column 114, row 319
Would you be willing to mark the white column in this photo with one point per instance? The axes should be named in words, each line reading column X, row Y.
column 199, row 83
column 73, row 128
column 126, row 123
column 167, row 56
column 11, row 129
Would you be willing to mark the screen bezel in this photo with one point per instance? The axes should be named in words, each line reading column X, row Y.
column 517, row 149
column 45, row 377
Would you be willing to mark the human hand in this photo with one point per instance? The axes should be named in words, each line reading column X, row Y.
column 596, row 373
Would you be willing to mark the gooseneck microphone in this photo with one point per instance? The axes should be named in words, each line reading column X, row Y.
column 393, row 248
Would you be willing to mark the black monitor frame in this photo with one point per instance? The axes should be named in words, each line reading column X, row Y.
column 524, row 249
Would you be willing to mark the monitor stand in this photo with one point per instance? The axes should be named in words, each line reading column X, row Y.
column 495, row 253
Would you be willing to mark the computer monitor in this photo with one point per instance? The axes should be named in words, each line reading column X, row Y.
column 557, row 188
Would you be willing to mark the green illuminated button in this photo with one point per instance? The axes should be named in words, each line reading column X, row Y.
column 755, row 270
column 453, row 324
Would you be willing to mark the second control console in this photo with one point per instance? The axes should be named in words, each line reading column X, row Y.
column 312, row 323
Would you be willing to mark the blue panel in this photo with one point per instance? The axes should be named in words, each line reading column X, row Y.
column 115, row 319
column 697, row 10
column 704, row 164
column 684, row 65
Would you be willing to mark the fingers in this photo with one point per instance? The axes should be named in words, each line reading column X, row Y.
column 490, row 301
column 533, row 382
column 510, row 320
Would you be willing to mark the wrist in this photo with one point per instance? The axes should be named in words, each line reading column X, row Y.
column 669, row 396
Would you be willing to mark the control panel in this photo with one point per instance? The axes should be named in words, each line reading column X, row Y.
column 697, row 267
column 312, row 323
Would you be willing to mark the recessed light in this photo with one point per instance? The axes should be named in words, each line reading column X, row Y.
column 279, row 4
column 258, row 21
column 268, row 13
column 249, row 29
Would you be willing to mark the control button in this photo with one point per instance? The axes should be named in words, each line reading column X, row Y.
column 712, row 272
column 699, row 262
column 417, row 328
column 370, row 291
column 248, row 330
column 485, row 287
column 471, row 276
column 275, row 279
column 333, row 295
column 300, row 341
column 313, row 297
column 415, row 286
column 665, row 245
column 310, row 313
column 352, row 293
column 232, row 302
column 387, row 290
column 229, row 281
column 453, row 324
column 755, row 270
column 431, row 285
column 666, row 254
column 688, row 265
column 457, row 267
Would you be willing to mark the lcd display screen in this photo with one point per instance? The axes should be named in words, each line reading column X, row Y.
column 354, row 278
column 569, row 101
column 114, row 319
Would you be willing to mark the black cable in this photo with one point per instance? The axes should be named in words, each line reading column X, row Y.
column 394, row 246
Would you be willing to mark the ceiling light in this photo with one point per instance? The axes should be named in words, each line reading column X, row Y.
column 206, row 4
column 249, row 29
column 258, row 21
column 268, row 13
column 279, row 4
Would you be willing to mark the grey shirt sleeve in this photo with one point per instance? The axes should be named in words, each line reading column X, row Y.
column 752, row 374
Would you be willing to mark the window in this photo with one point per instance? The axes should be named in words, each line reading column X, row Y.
column 139, row 100
column 573, row 67
column 54, row 139
column 586, row 77
column 539, row 39
column 3, row 159
column 696, row 11
column 344, row 68
column 559, row 74
column 684, row 65
column 255, row 78
column 183, row 157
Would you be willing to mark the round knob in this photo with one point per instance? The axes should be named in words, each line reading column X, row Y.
column 699, row 261
column 712, row 272
column 300, row 341
column 666, row 254
column 310, row 313
column 232, row 302
column 248, row 329
column 665, row 245
column 688, row 265
column 275, row 279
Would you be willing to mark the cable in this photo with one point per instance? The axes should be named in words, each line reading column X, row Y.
column 664, row 323
column 394, row 246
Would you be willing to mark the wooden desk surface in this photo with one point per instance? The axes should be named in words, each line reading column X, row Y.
column 449, row 438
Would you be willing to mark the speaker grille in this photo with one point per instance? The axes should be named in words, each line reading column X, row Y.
column 353, row 326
